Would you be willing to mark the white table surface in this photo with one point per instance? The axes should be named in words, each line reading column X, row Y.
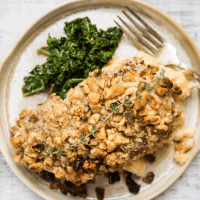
column 17, row 15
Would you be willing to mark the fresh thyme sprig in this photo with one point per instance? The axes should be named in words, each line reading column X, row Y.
column 107, row 119
column 114, row 108
column 102, row 118
column 53, row 151
column 127, row 101
column 138, row 96
column 94, row 130
column 82, row 138
column 49, row 152
column 162, row 72
column 61, row 151
column 149, row 88
column 70, row 147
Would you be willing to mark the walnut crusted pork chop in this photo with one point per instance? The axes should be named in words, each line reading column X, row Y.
column 107, row 121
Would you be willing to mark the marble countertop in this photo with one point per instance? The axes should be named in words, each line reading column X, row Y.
column 17, row 15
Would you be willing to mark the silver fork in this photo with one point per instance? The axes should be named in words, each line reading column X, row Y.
column 149, row 41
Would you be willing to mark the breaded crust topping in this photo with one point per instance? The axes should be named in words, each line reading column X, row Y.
column 106, row 121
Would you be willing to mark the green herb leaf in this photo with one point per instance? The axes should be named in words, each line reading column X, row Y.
column 114, row 108
column 63, row 154
column 60, row 150
column 138, row 96
column 162, row 72
column 39, row 104
column 107, row 119
column 49, row 152
column 70, row 147
column 149, row 88
column 127, row 101
column 94, row 130
column 159, row 79
column 82, row 138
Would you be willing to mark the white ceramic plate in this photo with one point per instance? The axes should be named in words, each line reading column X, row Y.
column 23, row 57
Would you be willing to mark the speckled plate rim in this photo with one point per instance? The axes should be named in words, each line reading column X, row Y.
column 73, row 4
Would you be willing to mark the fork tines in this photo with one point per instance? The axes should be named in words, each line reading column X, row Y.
column 139, row 40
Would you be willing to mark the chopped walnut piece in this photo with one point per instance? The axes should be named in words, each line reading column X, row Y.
column 151, row 70
column 166, row 83
column 36, row 167
column 141, row 86
column 184, row 132
column 185, row 145
column 111, row 159
column 59, row 172
column 93, row 97
column 17, row 141
column 161, row 91
column 181, row 157
column 176, row 90
column 140, row 104
column 18, row 154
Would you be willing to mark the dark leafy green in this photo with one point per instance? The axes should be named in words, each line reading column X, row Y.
column 33, row 84
column 70, row 58
column 70, row 83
